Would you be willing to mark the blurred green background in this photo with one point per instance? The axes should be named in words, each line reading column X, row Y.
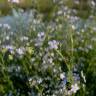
column 82, row 6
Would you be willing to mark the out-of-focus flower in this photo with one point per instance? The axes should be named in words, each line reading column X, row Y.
column 76, row 77
column 30, row 79
column 20, row 51
column 93, row 3
column 41, row 34
column 39, row 80
column 29, row 50
column 60, row 12
column 32, row 82
column 89, row 46
column 52, row 54
column 14, row 1
column 50, row 60
column 62, row 76
column 47, row 59
column 10, row 48
column 73, row 27
column 7, row 37
column 53, row 44
column 24, row 38
column 18, row 68
column 40, row 38
column 10, row 57
column 7, row 26
column 74, row 88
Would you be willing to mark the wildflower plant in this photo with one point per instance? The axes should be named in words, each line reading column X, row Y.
column 48, row 58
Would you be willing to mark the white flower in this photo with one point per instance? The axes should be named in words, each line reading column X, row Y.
column 73, row 27
column 41, row 34
column 40, row 39
column 69, row 93
column 93, row 3
column 7, row 37
column 62, row 76
column 14, row 1
column 39, row 80
column 74, row 88
column 59, row 12
column 18, row 68
column 50, row 60
column 7, row 26
column 20, row 51
column 52, row 54
column 53, row 44
column 24, row 38
column 90, row 47
column 30, row 79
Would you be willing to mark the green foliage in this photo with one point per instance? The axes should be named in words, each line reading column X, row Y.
column 82, row 7
column 44, row 5
column 4, row 7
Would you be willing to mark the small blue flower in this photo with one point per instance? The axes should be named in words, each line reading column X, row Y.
column 64, row 81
